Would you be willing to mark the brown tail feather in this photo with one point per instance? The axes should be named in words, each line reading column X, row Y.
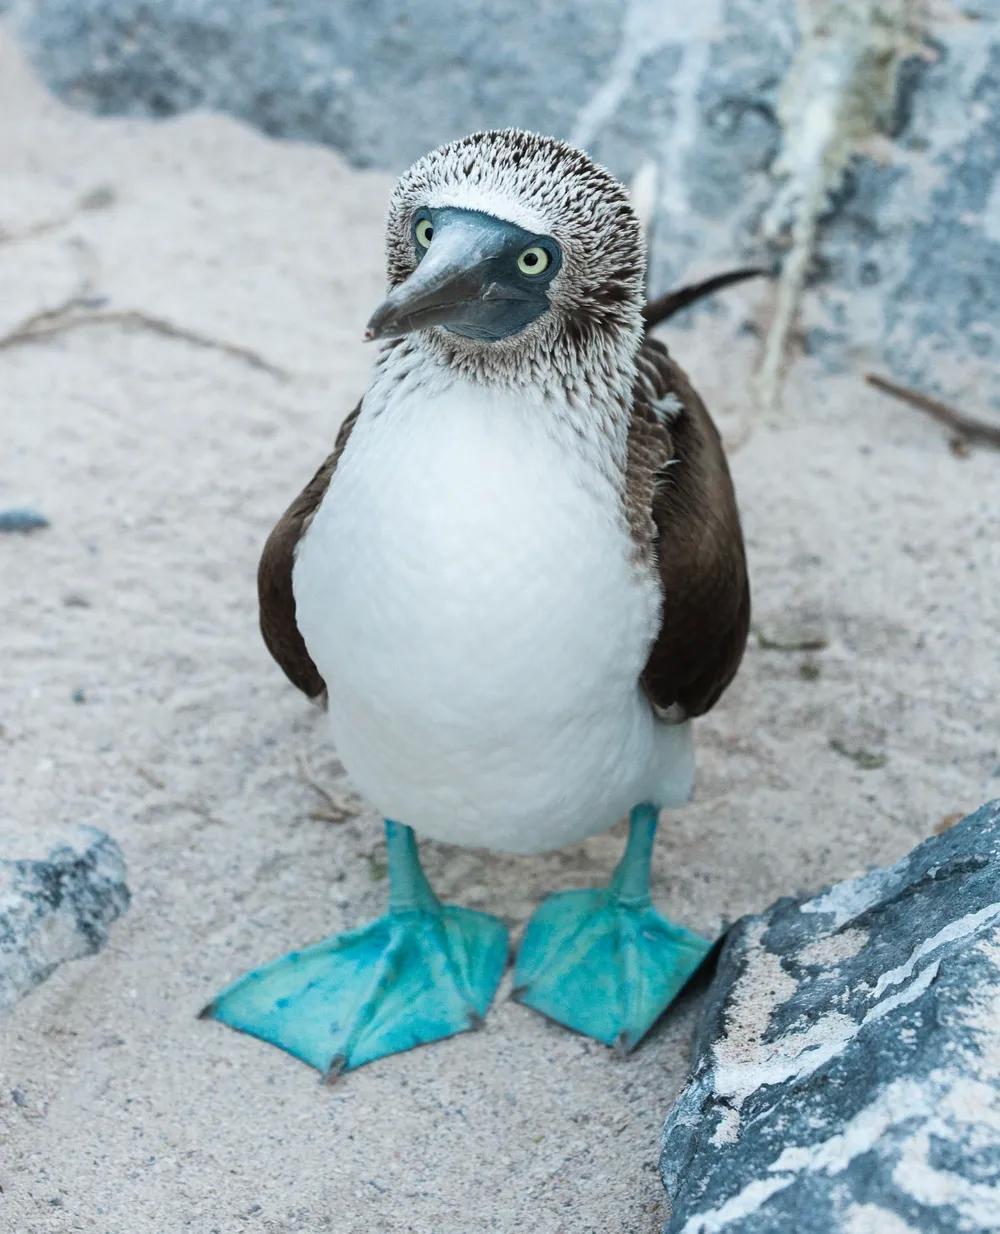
column 666, row 306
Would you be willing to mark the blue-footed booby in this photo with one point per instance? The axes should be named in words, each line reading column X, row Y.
column 517, row 579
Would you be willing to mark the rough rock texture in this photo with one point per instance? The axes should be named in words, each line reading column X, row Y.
column 57, row 902
column 848, row 1064
column 909, row 246
column 855, row 139
column 380, row 82
column 694, row 89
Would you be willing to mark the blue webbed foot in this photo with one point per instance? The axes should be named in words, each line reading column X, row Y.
column 605, row 962
column 604, row 968
column 406, row 979
column 422, row 972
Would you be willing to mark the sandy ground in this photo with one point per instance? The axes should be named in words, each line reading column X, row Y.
column 162, row 464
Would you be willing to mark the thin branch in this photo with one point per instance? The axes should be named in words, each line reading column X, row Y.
column 98, row 198
column 339, row 809
column 40, row 322
column 957, row 421
column 49, row 322
column 41, row 228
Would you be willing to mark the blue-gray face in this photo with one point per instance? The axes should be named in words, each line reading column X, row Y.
column 477, row 276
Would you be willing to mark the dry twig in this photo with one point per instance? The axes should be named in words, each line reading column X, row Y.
column 964, row 426
column 73, row 313
column 98, row 198
column 339, row 808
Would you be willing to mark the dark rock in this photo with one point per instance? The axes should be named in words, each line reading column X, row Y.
column 22, row 520
column 914, row 250
column 382, row 82
column 56, row 903
column 729, row 99
column 848, row 1063
column 695, row 89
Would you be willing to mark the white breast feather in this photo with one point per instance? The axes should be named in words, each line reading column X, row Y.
column 467, row 591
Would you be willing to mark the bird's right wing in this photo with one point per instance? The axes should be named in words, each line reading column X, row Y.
column 682, row 505
column 274, row 575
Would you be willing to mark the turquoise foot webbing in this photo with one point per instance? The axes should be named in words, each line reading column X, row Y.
column 422, row 972
column 605, row 962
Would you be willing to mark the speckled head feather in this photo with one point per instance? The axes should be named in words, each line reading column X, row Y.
column 594, row 324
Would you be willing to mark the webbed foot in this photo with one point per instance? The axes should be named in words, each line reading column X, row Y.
column 604, row 968
column 605, row 962
column 422, row 972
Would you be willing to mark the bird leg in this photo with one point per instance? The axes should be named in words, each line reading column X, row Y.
column 604, row 961
column 424, row 971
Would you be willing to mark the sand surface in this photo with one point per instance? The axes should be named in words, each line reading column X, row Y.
column 137, row 696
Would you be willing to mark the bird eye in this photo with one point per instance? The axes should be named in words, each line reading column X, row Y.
column 424, row 231
column 534, row 260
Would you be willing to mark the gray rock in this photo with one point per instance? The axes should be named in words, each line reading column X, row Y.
column 694, row 89
column 847, row 1074
column 910, row 248
column 701, row 101
column 56, row 902
column 382, row 82
column 860, row 141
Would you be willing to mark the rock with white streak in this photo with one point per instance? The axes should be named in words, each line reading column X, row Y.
column 848, row 1064
column 694, row 89
column 856, row 140
column 909, row 242
column 57, row 902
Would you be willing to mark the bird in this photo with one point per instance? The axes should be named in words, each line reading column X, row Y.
column 515, row 582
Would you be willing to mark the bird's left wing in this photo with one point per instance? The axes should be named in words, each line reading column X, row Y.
column 682, row 510
column 274, row 575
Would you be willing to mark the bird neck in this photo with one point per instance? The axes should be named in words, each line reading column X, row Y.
column 581, row 387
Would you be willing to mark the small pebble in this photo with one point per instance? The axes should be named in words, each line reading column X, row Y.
column 867, row 760
column 22, row 520
column 98, row 198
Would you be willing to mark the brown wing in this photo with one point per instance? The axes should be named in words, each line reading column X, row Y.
column 683, row 514
column 274, row 575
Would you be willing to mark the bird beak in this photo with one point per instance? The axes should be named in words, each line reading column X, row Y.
column 458, row 283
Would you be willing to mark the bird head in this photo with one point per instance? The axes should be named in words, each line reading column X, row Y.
column 505, row 243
